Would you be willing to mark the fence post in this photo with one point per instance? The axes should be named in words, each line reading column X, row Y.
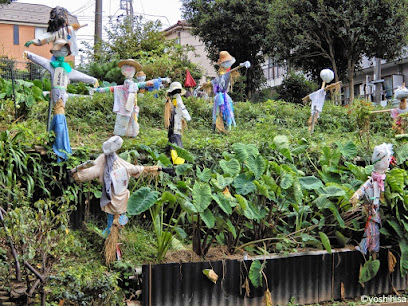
column 14, row 93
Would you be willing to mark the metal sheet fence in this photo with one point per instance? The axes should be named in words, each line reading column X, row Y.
column 303, row 278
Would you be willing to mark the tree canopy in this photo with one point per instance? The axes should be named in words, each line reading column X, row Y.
column 144, row 42
column 236, row 26
column 316, row 34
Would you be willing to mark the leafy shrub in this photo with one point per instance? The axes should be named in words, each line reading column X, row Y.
column 294, row 87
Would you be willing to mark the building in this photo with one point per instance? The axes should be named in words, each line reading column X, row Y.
column 21, row 22
column 181, row 32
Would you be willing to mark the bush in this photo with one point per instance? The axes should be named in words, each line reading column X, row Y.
column 294, row 87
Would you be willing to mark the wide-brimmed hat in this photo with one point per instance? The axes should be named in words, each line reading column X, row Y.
column 59, row 43
column 140, row 73
column 130, row 62
column 225, row 56
column 112, row 144
column 174, row 86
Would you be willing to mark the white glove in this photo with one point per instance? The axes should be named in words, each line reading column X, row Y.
column 246, row 64
column 25, row 54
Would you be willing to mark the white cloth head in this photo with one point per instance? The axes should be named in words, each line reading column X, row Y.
column 112, row 145
column 401, row 92
column 327, row 75
column 382, row 157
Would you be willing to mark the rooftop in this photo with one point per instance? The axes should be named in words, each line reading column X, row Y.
column 180, row 24
column 17, row 12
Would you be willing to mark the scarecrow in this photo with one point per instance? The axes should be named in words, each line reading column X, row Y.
column 125, row 99
column 371, row 191
column 175, row 117
column 58, row 28
column 223, row 110
column 318, row 96
column 398, row 114
column 61, row 75
column 189, row 83
column 113, row 173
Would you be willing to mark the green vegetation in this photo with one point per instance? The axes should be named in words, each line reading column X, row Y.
column 265, row 187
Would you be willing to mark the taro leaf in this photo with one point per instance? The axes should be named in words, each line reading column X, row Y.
column 263, row 189
column 221, row 182
column 397, row 228
column 223, row 203
column 255, row 273
column 252, row 213
column 243, row 184
column 231, row 167
column 325, row 241
column 242, row 202
column 141, row 200
column 282, row 145
column 349, row 150
column 204, row 175
column 369, row 270
column 401, row 154
column 336, row 214
column 183, row 168
column 286, row 180
column 332, row 191
column 188, row 206
column 168, row 197
column 231, row 228
column 404, row 258
column 164, row 159
column 183, row 153
column 341, row 240
column 310, row 240
column 395, row 179
column 201, row 196
column 257, row 165
column 181, row 232
column 244, row 151
column 310, row 182
column 148, row 150
column 208, row 218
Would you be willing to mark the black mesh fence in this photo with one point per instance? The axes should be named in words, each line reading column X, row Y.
column 10, row 69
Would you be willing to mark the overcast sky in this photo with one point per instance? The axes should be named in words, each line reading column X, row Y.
column 167, row 11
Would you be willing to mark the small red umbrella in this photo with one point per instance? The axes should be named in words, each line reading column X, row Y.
column 189, row 80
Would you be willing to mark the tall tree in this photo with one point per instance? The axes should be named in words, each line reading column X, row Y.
column 237, row 26
column 313, row 34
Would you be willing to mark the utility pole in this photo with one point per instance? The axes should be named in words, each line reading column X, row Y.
column 98, row 24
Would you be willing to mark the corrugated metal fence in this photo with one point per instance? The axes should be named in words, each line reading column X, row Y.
column 303, row 278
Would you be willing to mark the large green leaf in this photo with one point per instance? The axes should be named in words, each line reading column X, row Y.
column 395, row 179
column 201, row 196
column 255, row 273
column 231, row 167
column 243, row 151
column 183, row 168
column 223, row 203
column 401, row 153
column 252, row 212
column 325, row 241
column 332, row 191
column 310, row 182
column 397, row 228
column 141, row 200
column 183, row 153
column 188, row 206
column 221, row 182
column 404, row 257
column 208, row 218
column 257, row 165
column 242, row 202
column 282, row 145
column 349, row 150
column 204, row 175
column 369, row 270
column 243, row 184
column 286, row 180
column 168, row 197
column 231, row 228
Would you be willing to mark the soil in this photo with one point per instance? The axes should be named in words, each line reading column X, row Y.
column 214, row 254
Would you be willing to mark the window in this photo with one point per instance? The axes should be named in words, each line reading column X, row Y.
column 38, row 32
column 16, row 35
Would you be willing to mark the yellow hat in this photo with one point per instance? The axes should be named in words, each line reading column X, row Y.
column 224, row 56
column 130, row 62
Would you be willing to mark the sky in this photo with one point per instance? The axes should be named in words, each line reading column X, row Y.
column 167, row 11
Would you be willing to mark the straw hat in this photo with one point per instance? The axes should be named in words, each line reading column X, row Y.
column 140, row 73
column 112, row 144
column 59, row 43
column 225, row 56
column 130, row 62
column 174, row 86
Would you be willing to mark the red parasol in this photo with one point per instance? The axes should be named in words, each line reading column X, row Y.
column 189, row 80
